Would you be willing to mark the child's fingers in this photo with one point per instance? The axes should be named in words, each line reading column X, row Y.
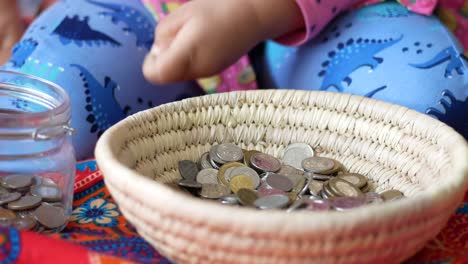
column 168, row 27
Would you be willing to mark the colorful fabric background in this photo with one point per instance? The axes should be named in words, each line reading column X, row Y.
column 98, row 233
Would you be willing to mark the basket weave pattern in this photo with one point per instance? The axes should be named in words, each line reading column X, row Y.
column 393, row 146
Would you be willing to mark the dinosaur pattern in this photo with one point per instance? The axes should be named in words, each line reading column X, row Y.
column 349, row 56
column 101, row 104
column 22, row 51
column 449, row 54
column 135, row 21
column 78, row 31
column 384, row 10
column 455, row 112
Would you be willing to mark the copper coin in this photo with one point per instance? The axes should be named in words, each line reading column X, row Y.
column 214, row 191
column 243, row 170
column 276, row 201
column 50, row 216
column 265, row 162
column 207, row 176
column 240, row 182
column 346, row 203
column 188, row 169
column 279, row 182
column 26, row 202
column 48, row 193
column 7, row 214
column 229, row 152
column 26, row 222
column 9, row 197
column 17, row 181
column 318, row 164
column 247, row 197
column 355, row 179
column 391, row 195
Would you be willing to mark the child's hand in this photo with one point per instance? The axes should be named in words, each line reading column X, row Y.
column 203, row 37
column 11, row 28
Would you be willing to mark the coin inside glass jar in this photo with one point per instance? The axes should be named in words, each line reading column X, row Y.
column 47, row 193
column 17, row 181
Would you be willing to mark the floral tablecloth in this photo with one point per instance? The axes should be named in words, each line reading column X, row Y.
column 98, row 233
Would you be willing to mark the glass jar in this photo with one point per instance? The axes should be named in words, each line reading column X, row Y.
column 37, row 160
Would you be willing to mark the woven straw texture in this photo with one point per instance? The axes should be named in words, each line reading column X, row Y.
column 393, row 146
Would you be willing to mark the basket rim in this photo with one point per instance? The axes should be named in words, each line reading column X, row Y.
column 196, row 210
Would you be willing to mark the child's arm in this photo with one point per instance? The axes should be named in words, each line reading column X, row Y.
column 11, row 28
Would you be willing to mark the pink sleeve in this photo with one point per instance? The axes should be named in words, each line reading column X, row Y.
column 318, row 13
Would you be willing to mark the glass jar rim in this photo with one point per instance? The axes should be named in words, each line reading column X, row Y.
column 58, row 115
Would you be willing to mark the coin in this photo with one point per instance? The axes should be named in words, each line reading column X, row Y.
column 3, row 190
column 326, row 192
column 296, row 153
column 214, row 191
column 50, row 216
column 315, row 187
column 265, row 190
column 48, row 193
column 320, row 177
column 207, row 176
column 222, row 179
column 6, row 214
column 265, row 162
column 248, row 155
column 318, row 164
column 214, row 156
column 276, row 201
column 204, row 162
column 229, row 199
column 17, row 181
column 9, row 197
column 240, row 182
column 366, row 188
column 298, row 204
column 355, row 179
column 346, row 203
column 228, row 152
column 279, row 182
column 292, row 173
column 318, row 205
column 188, row 169
column 242, row 170
column 190, row 185
column 391, row 195
column 25, row 222
column 24, row 203
column 343, row 188
column 247, row 197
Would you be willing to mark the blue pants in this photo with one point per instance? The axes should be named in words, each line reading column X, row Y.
column 94, row 50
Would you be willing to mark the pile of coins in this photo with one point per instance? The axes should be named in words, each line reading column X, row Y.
column 31, row 203
column 300, row 180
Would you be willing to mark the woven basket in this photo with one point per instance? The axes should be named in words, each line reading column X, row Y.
column 393, row 146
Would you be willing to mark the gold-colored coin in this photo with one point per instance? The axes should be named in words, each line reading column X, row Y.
column 329, row 193
column 222, row 171
column 240, row 182
column 355, row 179
column 391, row 195
column 299, row 185
column 315, row 187
column 343, row 188
column 336, row 168
column 247, row 155
column 247, row 197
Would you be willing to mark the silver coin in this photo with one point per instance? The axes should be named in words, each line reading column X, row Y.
column 297, row 152
column 253, row 175
column 320, row 177
column 205, row 161
column 318, row 164
column 229, row 200
column 189, row 184
column 265, row 163
column 25, row 222
column 48, row 193
column 276, row 201
column 215, row 165
column 228, row 152
column 9, row 197
column 214, row 191
column 214, row 156
column 279, row 182
column 188, row 169
column 4, row 190
column 24, row 203
column 295, row 175
column 206, row 176
column 17, row 181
